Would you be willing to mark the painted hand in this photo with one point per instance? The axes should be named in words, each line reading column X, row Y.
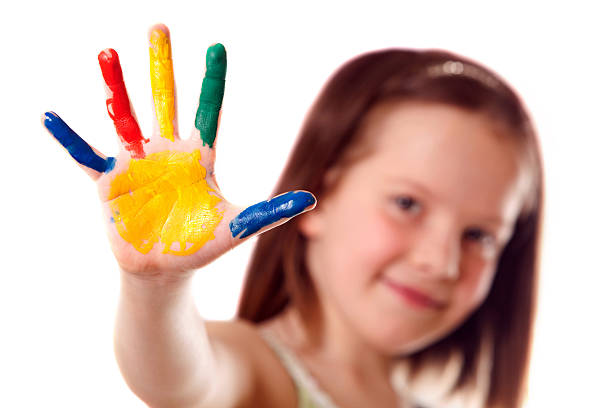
column 164, row 210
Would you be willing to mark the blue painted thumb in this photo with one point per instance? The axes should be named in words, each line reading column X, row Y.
column 265, row 213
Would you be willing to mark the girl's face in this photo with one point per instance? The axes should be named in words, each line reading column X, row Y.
column 405, row 245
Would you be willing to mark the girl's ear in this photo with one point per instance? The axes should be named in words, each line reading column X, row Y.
column 309, row 224
column 312, row 223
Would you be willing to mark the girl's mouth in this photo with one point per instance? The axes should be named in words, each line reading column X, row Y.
column 413, row 296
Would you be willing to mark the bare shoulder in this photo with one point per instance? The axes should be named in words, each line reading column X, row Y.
column 253, row 369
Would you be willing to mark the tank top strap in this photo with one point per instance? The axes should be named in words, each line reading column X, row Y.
column 309, row 393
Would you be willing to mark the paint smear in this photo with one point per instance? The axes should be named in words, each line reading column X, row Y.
column 162, row 81
column 268, row 212
column 165, row 198
column 211, row 96
column 76, row 146
column 118, row 104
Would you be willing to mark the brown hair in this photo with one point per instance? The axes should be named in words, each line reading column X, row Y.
column 277, row 274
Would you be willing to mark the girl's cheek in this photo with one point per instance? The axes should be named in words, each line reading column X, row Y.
column 475, row 281
column 386, row 245
column 360, row 224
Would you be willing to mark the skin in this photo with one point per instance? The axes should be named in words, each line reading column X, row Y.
column 430, row 207
column 375, row 227
column 159, row 195
column 148, row 191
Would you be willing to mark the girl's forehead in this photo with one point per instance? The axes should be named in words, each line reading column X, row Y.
column 420, row 131
column 458, row 154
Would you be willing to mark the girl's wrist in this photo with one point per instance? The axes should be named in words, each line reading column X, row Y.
column 156, row 288
column 156, row 279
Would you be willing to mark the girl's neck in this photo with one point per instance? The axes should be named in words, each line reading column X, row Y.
column 324, row 337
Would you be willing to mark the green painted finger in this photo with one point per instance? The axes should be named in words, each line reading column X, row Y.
column 211, row 96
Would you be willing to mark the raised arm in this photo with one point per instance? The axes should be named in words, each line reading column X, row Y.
column 166, row 217
column 161, row 344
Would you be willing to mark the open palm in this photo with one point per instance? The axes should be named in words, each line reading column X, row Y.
column 164, row 211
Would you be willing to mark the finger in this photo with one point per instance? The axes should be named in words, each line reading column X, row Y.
column 268, row 214
column 211, row 96
column 162, row 81
column 118, row 104
column 76, row 146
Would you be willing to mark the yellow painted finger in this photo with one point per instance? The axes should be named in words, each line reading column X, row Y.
column 162, row 81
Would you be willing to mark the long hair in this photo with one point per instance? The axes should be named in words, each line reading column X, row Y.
column 490, row 350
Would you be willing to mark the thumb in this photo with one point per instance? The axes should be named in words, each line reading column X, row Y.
column 271, row 213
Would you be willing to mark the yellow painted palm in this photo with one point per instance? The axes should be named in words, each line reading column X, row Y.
column 165, row 198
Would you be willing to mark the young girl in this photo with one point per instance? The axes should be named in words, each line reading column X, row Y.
column 412, row 283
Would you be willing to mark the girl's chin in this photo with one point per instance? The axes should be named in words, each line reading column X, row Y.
column 404, row 339
column 393, row 334
column 393, row 330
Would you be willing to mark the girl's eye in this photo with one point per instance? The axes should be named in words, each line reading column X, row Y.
column 407, row 204
column 480, row 236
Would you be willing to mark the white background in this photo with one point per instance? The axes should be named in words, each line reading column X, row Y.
column 59, row 280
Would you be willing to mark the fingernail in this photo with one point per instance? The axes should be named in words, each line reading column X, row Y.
column 216, row 61
column 111, row 69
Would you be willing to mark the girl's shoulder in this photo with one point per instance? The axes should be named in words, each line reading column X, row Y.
column 260, row 375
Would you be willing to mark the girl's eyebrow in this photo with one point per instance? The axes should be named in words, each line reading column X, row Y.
column 490, row 219
column 404, row 180
column 493, row 220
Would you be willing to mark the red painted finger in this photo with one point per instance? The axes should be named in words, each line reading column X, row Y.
column 118, row 104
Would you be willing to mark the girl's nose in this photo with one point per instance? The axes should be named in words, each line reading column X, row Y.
column 435, row 251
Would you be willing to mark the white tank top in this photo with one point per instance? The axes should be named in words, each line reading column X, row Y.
column 310, row 395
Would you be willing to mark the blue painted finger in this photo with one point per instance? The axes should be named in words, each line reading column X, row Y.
column 268, row 212
column 76, row 146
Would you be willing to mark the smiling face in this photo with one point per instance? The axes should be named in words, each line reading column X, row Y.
column 405, row 245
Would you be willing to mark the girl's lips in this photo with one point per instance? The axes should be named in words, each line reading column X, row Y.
column 413, row 296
